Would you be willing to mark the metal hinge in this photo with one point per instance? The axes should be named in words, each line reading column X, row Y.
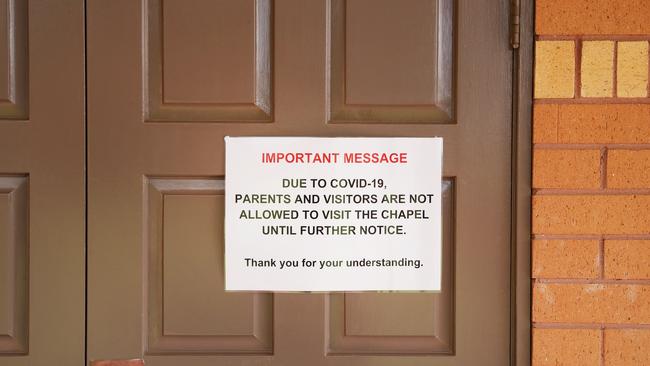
column 514, row 23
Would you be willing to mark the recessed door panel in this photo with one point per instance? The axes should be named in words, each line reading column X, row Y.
column 391, row 63
column 14, row 258
column 207, row 60
column 14, row 49
column 188, row 312
column 394, row 323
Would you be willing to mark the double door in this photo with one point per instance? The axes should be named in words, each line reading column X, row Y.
column 112, row 119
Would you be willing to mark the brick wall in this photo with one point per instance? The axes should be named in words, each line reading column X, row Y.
column 591, row 183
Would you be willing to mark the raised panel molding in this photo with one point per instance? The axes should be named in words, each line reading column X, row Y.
column 400, row 96
column 374, row 334
column 210, row 105
column 13, row 60
column 254, row 335
column 14, row 252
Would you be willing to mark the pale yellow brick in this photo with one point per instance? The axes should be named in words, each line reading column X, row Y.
column 554, row 69
column 597, row 69
column 632, row 69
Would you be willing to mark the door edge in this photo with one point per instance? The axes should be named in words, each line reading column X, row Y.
column 521, row 326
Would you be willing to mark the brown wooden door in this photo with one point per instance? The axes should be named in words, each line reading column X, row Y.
column 42, row 182
column 168, row 79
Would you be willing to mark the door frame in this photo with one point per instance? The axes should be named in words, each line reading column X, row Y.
column 521, row 175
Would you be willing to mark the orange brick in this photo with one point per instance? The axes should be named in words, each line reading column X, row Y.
column 627, row 347
column 576, row 347
column 591, row 214
column 632, row 124
column 557, row 17
column 585, row 123
column 566, row 168
column 628, row 169
column 591, row 303
column 627, row 259
column 604, row 123
column 566, row 259
column 545, row 123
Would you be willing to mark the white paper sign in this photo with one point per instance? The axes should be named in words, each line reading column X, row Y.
column 333, row 214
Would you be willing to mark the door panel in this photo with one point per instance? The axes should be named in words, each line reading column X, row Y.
column 389, row 323
column 41, row 182
column 14, row 59
column 14, row 285
column 388, row 62
column 192, row 72
column 187, row 309
column 188, row 77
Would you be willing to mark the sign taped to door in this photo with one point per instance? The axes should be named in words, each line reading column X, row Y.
column 333, row 214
